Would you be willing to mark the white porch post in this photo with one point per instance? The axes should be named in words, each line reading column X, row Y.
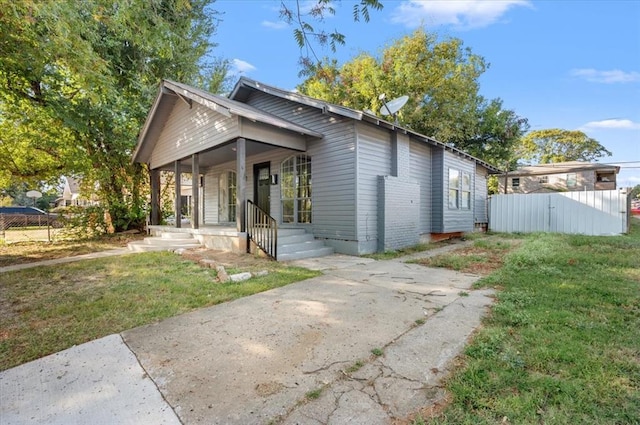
column 195, row 191
column 241, row 183
column 178, row 204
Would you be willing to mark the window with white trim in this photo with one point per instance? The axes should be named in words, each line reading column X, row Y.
column 466, row 191
column 454, row 188
column 459, row 189
column 295, row 189
column 233, row 193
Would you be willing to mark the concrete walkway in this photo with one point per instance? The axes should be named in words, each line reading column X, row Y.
column 90, row 256
column 300, row 354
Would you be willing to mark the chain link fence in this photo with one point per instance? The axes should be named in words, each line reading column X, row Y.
column 29, row 227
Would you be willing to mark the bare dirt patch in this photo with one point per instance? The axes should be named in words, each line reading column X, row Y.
column 480, row 259
column 230, row 260
column 33, row 251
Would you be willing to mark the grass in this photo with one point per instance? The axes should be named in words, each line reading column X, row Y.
column 484, row 256
column 562, row 344
column 29, row 252
column 355, row 367
column 314, row 394
column 47, row 309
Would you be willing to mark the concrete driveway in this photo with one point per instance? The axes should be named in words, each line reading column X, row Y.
column 297, row 354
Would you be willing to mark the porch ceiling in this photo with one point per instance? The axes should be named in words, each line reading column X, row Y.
column 220, row 155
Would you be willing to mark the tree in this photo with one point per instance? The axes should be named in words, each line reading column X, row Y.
column 441, row 80
column 306, row 34
column 77, row 80
column 556, row 145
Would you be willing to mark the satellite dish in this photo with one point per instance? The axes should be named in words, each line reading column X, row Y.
column 34, row 194
column 393, row 106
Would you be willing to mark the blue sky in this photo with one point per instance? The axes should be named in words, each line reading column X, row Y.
column 561, row 64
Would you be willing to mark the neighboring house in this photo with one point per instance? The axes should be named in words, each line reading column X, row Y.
column 560, row 177
column 359, row 183
column 72, row 195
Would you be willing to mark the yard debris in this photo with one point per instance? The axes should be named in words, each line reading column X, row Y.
column 205, row 262
column 260, row 273
column 222, row 274
column 240, row 277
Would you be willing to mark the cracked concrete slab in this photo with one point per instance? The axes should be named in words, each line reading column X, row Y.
column 300, row 354
column 254, row 360
column 407, row 376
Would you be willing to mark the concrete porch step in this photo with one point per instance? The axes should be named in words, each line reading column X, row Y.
column 306, row 245
column 296, row 244
column 299, row 255
column 162, row 243
column 293, row 239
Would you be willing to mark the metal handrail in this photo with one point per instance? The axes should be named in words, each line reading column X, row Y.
column 262, row 229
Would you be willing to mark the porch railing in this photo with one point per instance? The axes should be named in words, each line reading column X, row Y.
column 262, row 230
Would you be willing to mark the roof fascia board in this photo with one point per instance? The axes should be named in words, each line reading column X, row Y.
column 245, row 82
column 147, row 123
column 179, row 91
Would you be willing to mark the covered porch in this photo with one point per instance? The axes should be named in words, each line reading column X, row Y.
column 189, row 131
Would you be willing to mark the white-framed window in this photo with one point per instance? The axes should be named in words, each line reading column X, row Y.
column 454, row 188
column 543, row 179
column 466, row 191
column 515, row 182
column 295, row 189
column 459, row 189
column 232, row 186
column 571, row 180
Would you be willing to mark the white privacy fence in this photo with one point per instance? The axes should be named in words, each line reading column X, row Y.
column 600, row 212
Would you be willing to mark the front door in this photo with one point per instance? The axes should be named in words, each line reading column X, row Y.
column 262, row 186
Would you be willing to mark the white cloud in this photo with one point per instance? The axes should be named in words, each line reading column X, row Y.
column 607, row 77
column 278, row 25
column 615, row 124
column 462, row 14
column 241, row 66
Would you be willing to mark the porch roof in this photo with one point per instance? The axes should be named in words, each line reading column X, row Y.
column 170, row 92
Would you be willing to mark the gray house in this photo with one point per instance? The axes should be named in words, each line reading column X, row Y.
column 297, row 175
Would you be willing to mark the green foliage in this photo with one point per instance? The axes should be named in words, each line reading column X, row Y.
column 441, row 80
column 307, row 35
column 77, row 80
column 314, row 394
column 556, row 145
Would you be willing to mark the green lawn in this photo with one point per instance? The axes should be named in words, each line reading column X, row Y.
column 47, row 309
column 562, row 345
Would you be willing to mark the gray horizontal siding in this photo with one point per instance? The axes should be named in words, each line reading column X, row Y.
column 333, row 165
column 457, row 220
column 437, row 190
column 374, row 159
column 188, row 131
column 421, row 171
column 480, row 195
column 210, row 202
